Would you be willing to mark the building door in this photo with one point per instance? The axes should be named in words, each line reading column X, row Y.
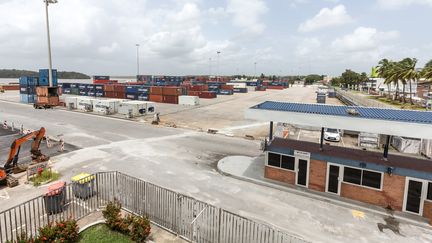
column 302, row 172
column 413, row 198
column 333, row 182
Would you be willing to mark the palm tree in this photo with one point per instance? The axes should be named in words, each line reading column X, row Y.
column 383, row 71
column 409, row 73
column 426, row 73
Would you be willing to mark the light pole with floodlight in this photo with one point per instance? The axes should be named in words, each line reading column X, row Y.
column 218, row 74
column 137, row 46
column 50, row 77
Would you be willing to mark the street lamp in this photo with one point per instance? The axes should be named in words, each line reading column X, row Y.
column 217, row 77
column 255, row 69
column 137, row 46
column 50, row 77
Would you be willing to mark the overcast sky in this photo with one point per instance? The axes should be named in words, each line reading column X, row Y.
column 178, row 37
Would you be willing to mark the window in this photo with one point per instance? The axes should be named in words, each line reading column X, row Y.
column 429, row 191
column 288, row 162
column 274, row 159
column 364, row 178
column 352, row 175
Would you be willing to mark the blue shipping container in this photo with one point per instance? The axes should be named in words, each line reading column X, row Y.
column 132, row 96
column 98, row 77
column 99, row 93
column 74, row 85
column 66, row 90
column 27, row 98
column 240, row 90
column 226, row 92
column 132, row 89
column 143, row 97
column 83, row 92
column 99, row 87
column 143, row 89
column 44, row 76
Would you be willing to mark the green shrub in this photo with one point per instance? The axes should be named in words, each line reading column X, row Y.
column 137, row 227
column 62, row 231
column 140, row 229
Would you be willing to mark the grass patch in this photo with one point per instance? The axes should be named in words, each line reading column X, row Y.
column 46, row 176
column 397, row 103
column 102, row 234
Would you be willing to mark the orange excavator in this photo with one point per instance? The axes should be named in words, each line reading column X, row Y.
column 11, row 164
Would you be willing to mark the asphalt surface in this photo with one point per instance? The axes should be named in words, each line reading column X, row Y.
column 185, row 161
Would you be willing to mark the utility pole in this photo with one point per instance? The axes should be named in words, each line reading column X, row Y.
column 218, row 73
column 50, row 77
column 137, row 46
column 210, row 67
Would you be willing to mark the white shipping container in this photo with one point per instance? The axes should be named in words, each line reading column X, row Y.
column 151, row 107
column 406, row 145
column 85, row 104
column 71, row 102
column 426, row 148
column 238, row 85
column 188, row 100
column 132, row 108
column 106, row 106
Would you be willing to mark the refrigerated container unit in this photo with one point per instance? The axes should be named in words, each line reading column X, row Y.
column 132, row 108
column 85, row 104
column 368, row 140
column 188, row 100
column 71, row 102
column 426, row 148
column 237, row 85
column 321, row 98
column 406, row 145
column 106, row 107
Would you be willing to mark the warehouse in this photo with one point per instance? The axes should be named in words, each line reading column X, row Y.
column 393, row 181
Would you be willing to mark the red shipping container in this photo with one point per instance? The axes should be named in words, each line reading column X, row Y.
column 207, row 95
column 194, row 93
column 260, row 88
column 171, row 91
column 156, row 98
column 155, row 90
column 109, row 87
column 103, row 81
column 119, row 88
column 275, row 87
column 170, row 99
column 227, row 87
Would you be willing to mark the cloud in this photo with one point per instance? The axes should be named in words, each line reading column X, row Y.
column 396, row 4
column 326, row 18
column 307, row 46
column 363, row 39
column 247, row 15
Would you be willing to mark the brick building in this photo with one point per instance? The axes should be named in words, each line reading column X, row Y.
column 402, row 183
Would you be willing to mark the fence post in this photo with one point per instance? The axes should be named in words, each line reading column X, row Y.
column 97, row 190
column 219, row 225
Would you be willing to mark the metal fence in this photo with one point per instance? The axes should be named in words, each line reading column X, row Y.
column 191, row 219
column 349, row 98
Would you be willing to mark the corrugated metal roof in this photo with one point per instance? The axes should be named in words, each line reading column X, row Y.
column 410, row 116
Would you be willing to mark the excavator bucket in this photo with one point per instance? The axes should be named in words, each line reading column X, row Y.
column 38, row 157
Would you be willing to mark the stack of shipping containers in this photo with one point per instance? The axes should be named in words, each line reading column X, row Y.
column 28, row 85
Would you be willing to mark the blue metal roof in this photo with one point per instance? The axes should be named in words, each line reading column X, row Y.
column 411, row 116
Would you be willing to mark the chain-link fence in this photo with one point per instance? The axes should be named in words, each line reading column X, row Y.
column 191, row 219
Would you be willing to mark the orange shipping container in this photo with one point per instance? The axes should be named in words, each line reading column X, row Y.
column 156, row 98
column 174, row 91
column 156, row 90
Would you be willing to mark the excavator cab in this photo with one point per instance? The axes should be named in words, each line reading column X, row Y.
column 11, row 165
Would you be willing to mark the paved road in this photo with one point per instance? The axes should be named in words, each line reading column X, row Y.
column 185, row 161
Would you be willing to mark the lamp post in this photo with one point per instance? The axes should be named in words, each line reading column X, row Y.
column 137, row 46
column 50, row 77
column 218, row 73
column 210, row 66
column 255, row 69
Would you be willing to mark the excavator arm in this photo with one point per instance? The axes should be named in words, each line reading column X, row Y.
column 35, row 152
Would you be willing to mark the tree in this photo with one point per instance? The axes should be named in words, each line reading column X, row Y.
column 407, row 72
column 312, row 78
column 383, row 70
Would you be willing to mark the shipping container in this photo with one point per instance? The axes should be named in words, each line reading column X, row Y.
column 72, row 85
column 66, row 90
column 207, row 95
column 143, row 97
column 170, row 99
column 260, row 88
column 71, row 102
column 132, row 108
column 240, row 90
column 113, row 94
column 106, row 107
column 99, row 77
column 194, row 93
column 132, row 96
column 44, row 77
column 85, row 104
column 156, row 90
column 156, row 98
column 226, row 92
column 27, row 98
column 173, row 91
column 74, row 91
column 275, row 87
column 188, row 100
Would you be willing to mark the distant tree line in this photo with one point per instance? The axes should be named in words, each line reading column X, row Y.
column 15, row 73
column 349, row 78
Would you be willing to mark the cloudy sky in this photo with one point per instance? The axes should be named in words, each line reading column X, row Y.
column 179, row 37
